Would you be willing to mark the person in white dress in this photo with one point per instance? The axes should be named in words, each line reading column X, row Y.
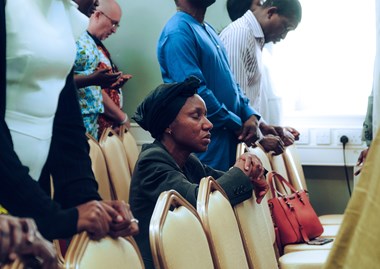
column 41, row 130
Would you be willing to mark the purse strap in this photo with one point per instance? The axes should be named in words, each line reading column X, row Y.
column 272, row 176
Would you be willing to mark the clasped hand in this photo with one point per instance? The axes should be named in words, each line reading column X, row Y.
column 102, row 218
column 19, row 238
column 253, row 168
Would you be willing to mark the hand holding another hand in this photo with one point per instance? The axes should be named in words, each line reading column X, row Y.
column 271, row 143
column 19, row 238
column 123, row 223
column 253, row 168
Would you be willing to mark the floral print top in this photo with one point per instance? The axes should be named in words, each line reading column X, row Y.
column 87, row 60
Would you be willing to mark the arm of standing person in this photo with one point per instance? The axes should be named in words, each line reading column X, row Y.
column 114, row 112
column 179, row 55
column 100, row 77
column 242, row 58
column 86, row 66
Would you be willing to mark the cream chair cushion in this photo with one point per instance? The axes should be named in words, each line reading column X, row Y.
column 304, row 260
column 257, row 232
column 117, row 164
column 221, row 226
column 99, row 167
column 104, row 254
column 130, row 146
column 177, row 237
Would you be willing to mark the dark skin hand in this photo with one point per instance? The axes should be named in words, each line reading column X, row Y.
column 121, row 81
column 287, row 134
column 361, row 160
column 249, row 132
column 253, row 168
column 19, row 238
column 124, row 224
column 100, row 77
column 272, row 143
column 104, row 78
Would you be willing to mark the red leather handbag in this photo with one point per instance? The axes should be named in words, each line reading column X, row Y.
column 292, row 214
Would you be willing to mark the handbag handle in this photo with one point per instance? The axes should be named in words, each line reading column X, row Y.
column 281, row 179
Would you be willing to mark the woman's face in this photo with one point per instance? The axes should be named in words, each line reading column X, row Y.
column 191, row 129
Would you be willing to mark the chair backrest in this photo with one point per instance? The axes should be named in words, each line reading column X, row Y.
column 99, row 167
column 278, row 165
column 84, row 253
column 17, row 264
column 221, row 226
column 257, row 232
column 130, row 146
column 177, row 238
column 117, row 163
column 294, row 168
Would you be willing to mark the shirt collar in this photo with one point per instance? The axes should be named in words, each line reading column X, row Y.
column 254, row 25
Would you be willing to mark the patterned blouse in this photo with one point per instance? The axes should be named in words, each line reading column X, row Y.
column 86, row 62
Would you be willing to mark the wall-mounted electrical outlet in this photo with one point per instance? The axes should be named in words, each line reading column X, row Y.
column 354, row 136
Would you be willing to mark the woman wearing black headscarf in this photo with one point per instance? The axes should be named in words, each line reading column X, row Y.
column 176, row 117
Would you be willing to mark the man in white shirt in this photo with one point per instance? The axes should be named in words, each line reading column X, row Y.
column 244, row 40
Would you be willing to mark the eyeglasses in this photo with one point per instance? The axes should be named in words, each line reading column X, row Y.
column 115, row 24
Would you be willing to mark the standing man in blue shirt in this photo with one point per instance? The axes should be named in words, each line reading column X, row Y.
column 190, row 46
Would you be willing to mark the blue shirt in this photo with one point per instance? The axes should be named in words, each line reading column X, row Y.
column 187, row 47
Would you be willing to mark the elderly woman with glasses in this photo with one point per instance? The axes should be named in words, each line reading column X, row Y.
column 176, row 116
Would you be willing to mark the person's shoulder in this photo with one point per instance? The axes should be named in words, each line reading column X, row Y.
column 179, row 22
column 153, row 151
column 238, row 26
column 84, row 38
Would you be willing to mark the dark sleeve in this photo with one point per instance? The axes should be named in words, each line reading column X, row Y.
column 21, row 195
column 68, row 161
column 156, row 172
column 234, row 182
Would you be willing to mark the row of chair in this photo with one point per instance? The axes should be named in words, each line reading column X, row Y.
column 219, row 236
column 215, row 235
column 113, row 159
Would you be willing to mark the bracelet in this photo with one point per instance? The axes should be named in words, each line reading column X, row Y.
column 125, row 120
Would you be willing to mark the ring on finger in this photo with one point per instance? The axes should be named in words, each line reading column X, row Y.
column 135, row 220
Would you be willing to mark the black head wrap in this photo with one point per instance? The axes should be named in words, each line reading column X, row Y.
column 162, row 105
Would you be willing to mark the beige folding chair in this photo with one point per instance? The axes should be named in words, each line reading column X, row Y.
column 119, row 253
column 177, row 238
column 117, row 163
column 221, row 227
column 99, row 167
column 17, row 264
column 130, row 146
column 256, row 229
column 297, row 178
